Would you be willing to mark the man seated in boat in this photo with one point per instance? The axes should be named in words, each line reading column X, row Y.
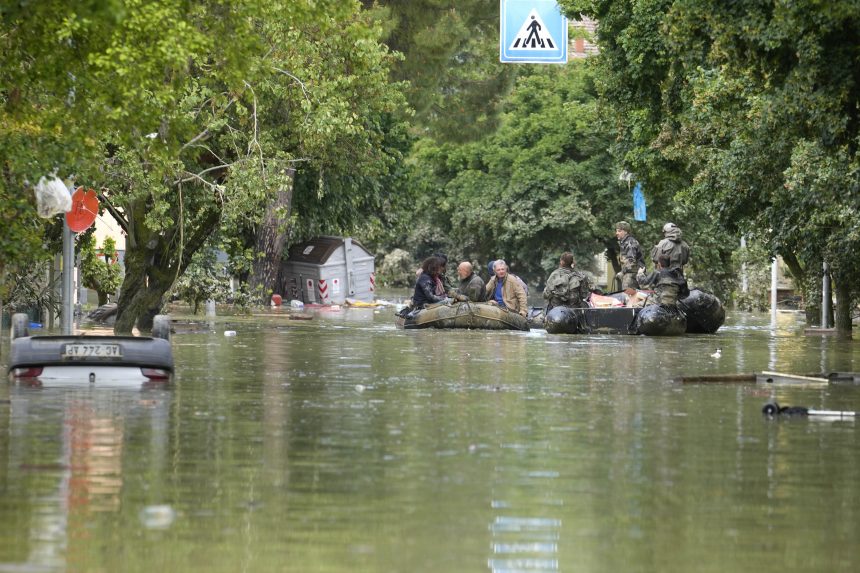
column 669, row 284
column 510, row 274
column 566, row 286
column 471, row 287
column 429, row 288
column 505, row 291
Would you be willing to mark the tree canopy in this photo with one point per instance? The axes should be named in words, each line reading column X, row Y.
column 748, row 111
column 187, row 115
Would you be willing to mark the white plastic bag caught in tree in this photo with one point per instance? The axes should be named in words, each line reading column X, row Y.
column 52, row 197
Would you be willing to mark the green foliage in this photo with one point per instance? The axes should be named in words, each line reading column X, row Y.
column 100, row 271
column 456, row 83
column 29, row 288
column 541, row 184
column 746, row 112
column 187, row 115
column 204, row 279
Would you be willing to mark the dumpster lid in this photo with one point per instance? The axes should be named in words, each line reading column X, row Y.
column 318, row 250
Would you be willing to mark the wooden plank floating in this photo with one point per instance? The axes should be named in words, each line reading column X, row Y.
column 783, row 378
column 736, row 378
column 772, row 378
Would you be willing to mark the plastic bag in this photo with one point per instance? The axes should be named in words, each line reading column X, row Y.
column 52, row 197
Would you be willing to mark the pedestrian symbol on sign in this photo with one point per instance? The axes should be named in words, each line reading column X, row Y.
column 533, row 35
column 532, row 32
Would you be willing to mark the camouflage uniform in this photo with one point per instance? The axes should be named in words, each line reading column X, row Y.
column 672, row 247
column 668, row 284
column 566, row 287
column 632, row 259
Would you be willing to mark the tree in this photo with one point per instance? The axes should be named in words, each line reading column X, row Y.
column 203, row 108
column 751, row 110
column 100, row 272
column 541, row 184
column 456, row 83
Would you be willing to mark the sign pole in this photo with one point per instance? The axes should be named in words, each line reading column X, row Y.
column 68, row 268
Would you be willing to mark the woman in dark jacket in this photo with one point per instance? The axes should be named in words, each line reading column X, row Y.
column 426, row 287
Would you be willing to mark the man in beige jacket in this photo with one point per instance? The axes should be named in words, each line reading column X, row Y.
column 505, row 291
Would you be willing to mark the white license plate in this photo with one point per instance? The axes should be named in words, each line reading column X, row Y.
column 94, row 350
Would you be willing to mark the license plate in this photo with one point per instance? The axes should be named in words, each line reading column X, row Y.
column 92, row 350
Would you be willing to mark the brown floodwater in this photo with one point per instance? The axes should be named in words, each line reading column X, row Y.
column 344, row 444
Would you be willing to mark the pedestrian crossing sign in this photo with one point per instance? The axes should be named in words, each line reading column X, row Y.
column 532, row 31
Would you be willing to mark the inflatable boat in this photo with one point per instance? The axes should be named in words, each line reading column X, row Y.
column 478, row 315
column 699, row 312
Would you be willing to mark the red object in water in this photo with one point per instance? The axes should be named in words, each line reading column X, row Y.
column 85, row 208
column 276, row 300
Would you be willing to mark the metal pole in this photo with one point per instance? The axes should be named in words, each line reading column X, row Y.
column 68, row 267
column 825, row 297
column 745, row 285
column 774, row 271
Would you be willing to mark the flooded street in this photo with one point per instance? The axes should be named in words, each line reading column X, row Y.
column 344, row 444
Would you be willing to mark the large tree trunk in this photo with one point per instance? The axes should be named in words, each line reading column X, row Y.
column 142, row 292
column 270, row 241
column 153, row 261
column 843, row 309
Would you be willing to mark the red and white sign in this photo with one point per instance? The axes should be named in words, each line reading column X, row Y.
column 311, row 291
column 372, row 282
column 335, row 286
column 324, row 294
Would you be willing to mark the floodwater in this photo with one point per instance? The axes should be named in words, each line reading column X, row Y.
column 344, row 444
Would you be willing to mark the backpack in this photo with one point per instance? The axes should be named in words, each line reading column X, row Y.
column 560, row 286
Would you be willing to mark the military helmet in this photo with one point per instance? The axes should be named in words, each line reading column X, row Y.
column 670, row 227
column 623, row 225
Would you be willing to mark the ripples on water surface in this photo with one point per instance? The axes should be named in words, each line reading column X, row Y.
column 343, row 444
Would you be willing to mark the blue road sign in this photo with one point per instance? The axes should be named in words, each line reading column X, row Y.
column 532, row 32
column 638, row 203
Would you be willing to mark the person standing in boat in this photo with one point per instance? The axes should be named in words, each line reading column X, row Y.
column 428, row 284
column 471, row 287
column 505, row 291
column 630, row 255
column 566, row 286
column 672, row 247
column 668, row 283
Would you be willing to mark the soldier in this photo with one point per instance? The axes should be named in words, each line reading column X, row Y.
column 471, row 287
column 669, row 284
column 630, row 255
column 677, row 251
column 566, row 286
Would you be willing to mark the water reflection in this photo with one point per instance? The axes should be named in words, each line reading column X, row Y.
column 67, row 449
column 343, row 444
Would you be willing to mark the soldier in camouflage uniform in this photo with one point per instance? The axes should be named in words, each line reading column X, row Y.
column 566, row 286
column 630, row 255
column 669, row 284
column 672, row 247
column 471, row 287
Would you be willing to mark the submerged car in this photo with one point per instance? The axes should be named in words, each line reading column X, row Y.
column 90, row 359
